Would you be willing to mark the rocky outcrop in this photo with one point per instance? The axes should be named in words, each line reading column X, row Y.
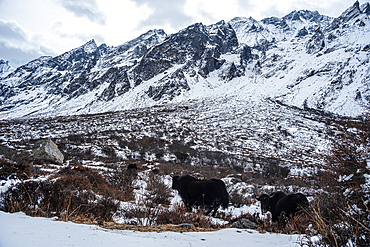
column 303, row 32
column 196, row 45
column 169, row 86
column 316, row 43
column 46, row 150
column 349, row 14
column 5, row 68
column 245, row 224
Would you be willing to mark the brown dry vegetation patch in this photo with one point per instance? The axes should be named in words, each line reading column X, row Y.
column 140, row 228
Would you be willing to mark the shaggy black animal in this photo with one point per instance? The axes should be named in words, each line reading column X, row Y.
column 210, row 194
column 268, row 203
column 278, row 203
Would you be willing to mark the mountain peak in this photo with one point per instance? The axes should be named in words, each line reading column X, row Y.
column 5, row 68
column 351, row 12
column 2, row 61
column 365, row 8
column 152, row 32
column 308, row 15
column 90, row 46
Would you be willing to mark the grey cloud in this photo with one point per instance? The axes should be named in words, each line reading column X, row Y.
column 272, row 11
column 165, row 12
column 205, row 14
column 85, row 8
column 12, row 31
column 47, row 50
column 246, row 7
column 57, row 25
column 86, row 37
column 15, row 45
column 83, row 37
column 98, row 38
column 17, row 54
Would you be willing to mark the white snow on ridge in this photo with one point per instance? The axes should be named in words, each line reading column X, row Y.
column 302, row 59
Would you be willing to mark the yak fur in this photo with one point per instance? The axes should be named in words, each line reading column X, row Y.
column 210, row 194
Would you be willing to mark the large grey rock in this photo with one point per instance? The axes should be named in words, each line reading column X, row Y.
column 186, row 225
column 47, row 150
column 245, row 224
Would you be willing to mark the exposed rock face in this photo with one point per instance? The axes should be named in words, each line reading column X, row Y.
column 195, row 46
column 47, row 150
column 201, row 61
column 5, row 68
column 302, row 32
column 316, row 43
column 169, row 87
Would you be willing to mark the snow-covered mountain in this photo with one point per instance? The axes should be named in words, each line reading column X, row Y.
column 5, row 68
column 303, row 59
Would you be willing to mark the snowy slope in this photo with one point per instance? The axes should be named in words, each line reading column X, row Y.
column 21, row 230
column 303, row 59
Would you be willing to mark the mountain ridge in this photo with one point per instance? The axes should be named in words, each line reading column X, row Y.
column 5, row 68
column 303, row 59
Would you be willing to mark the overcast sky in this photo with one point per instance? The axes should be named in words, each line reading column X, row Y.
column 33, row 28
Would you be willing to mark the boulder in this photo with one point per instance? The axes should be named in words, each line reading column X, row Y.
column 186, row 225
column 245, row 224
column 46, row 150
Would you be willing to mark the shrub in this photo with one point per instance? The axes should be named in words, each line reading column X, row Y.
column 237, row 199
column 122, row 180
column 340, row 215
column 141, row 213
column 75, row 192
column 179, row 215
column 181, row 156
column 21, row 170
column 157, row 191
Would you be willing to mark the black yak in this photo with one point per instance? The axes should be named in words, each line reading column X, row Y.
column 268, row 203
column 210, row 194
column 279, row 203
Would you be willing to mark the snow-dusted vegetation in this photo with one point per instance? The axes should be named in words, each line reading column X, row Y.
column 255, row 147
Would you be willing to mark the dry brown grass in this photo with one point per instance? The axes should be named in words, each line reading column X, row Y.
column 179, row 215
column 74, row 191
column 340, row 213
column 155, row 228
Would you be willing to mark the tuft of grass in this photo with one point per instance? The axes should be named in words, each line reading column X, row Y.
column 178, row 215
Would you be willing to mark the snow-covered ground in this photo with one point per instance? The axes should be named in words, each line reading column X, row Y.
column 19, row 229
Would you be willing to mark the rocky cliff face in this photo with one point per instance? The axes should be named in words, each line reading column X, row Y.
column 5, row 68
column 303, row 59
